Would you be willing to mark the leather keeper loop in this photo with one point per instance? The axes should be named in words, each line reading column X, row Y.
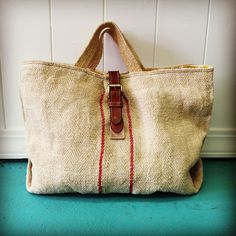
column 115, row 104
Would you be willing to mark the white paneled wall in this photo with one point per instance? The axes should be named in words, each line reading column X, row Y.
column 221, row 52
column 163, row 32
column 24, row 33
column 137, row 19
column 181, row 32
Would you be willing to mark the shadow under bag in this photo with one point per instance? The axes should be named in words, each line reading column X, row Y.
column 94, row 132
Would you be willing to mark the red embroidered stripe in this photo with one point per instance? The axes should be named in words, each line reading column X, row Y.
column 102, row 143
column 131, row 141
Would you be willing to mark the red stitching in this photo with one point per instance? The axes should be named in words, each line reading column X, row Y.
column 131, row 141
column 102, row 143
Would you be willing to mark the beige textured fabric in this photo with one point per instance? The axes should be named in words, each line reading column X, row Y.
column 67, row 121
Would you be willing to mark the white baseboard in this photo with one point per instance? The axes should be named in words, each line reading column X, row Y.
column 219, row 143
column 12, row 144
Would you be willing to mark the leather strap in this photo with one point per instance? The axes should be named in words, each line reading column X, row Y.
column 115, row 101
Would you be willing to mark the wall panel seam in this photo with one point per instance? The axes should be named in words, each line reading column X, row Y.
column 155, row 34
column 2, row 100
column 207, row 32
column 51, row 30
column 104, row 17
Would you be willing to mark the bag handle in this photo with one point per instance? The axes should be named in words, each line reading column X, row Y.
column 93, row 52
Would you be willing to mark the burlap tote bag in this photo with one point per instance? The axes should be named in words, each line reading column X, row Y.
column 94, row 132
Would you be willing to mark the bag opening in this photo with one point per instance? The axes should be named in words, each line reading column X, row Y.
column 196, row 174
column 29, row 173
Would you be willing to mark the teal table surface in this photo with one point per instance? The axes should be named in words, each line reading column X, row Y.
column 210, row 212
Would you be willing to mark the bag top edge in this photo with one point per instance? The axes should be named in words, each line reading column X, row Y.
column 102, row 74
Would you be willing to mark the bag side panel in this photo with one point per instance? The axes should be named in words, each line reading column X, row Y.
column 63, row 128
column 171, row 114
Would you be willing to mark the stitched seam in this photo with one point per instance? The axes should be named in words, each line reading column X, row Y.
column 102, row 143
column 131, row 141
column 102, row 75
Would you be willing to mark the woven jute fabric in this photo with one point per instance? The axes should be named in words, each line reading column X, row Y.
column 166, row 117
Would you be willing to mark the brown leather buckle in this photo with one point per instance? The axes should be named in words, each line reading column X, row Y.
column 114, row 86
column 115, row 105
